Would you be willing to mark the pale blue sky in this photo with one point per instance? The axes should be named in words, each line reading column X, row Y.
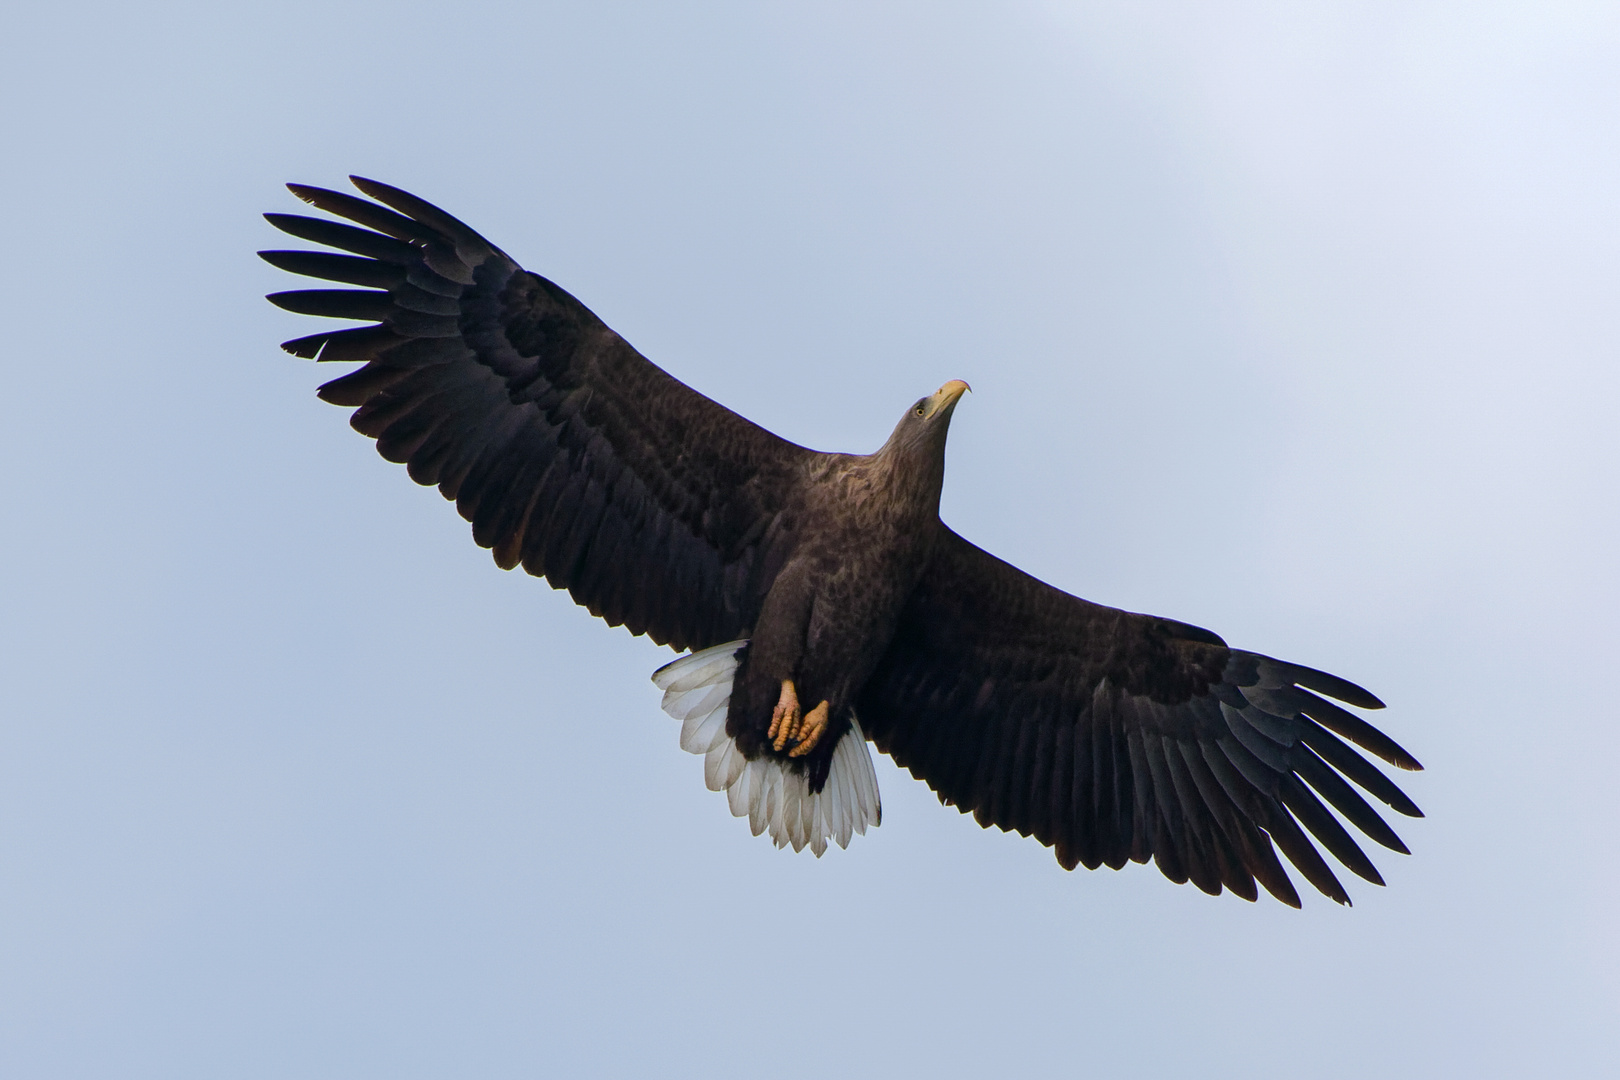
column 1296, row 321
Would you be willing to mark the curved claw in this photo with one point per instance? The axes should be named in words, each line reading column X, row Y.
column 811, row 730
column 785, row 718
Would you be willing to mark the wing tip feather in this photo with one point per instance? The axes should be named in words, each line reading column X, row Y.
column 305, row 348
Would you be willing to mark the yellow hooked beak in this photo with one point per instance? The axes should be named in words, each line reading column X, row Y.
column 946, row 396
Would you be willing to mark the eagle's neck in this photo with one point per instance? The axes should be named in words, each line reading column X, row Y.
column 907, row 476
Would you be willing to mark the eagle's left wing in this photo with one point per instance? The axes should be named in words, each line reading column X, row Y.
column 1112, row 736
column 571, row 453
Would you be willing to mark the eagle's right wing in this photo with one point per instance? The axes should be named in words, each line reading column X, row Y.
column 1113, row 736
column 568, row 451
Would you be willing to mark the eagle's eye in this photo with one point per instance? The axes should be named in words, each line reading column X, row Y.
column 919, row 410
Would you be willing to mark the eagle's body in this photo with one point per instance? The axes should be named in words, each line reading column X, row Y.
column 823, row 599
column 855, row 538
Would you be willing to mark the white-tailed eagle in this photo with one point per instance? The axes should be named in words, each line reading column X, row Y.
column 820, row 599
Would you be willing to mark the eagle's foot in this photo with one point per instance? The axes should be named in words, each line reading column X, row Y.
column 785, row 718
column 811, row 730
column 791, row 726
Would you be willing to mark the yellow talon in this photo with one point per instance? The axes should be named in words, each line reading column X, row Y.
column 810, row 732
column 785, row 717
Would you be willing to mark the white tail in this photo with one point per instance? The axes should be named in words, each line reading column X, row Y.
column 767, row 791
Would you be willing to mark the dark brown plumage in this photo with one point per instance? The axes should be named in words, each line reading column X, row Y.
column 1109, row 736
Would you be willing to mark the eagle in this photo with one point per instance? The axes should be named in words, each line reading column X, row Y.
column 818, row 599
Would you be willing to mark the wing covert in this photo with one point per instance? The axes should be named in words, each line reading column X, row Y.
column 1116, row 737
column 569, row 452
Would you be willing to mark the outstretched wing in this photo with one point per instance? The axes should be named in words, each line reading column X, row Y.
column 568, row 451
column 1111, row 736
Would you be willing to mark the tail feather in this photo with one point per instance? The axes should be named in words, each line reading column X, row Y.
column 769, row 792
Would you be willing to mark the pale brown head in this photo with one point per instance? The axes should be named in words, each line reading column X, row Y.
column 921, row 431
